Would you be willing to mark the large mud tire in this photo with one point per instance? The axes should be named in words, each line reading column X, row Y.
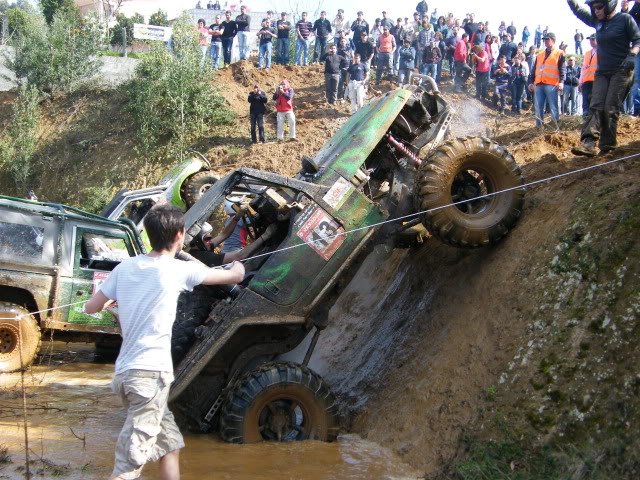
column 279, row 393
column 192, row 311
column 196, row 185
column 464, row 168
column 411, row 237
column 23, row 336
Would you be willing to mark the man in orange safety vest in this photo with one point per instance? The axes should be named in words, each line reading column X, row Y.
column 547, row 79
column 588, row 74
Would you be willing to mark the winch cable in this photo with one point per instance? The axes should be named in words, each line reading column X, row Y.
column 374, row 225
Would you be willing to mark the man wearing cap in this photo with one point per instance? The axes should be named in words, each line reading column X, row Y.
column 547, row 79
column 588, row 74
column 407, row 63
column 358, row 27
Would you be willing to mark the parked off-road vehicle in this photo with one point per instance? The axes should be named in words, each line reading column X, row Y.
column 389, row 160
column 52, row 255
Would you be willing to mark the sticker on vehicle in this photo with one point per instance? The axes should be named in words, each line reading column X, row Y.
column 98, row 279
column 338, row 193
column 322, row 233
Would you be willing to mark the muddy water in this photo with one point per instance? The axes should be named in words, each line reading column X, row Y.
column 74, row 421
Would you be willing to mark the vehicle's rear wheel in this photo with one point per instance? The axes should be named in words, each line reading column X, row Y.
column 464, row 169
column 279, row 401
column 192, row 311
column 16, row 336
column 196, row 185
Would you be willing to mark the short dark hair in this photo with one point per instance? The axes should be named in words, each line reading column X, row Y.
column 163, row 223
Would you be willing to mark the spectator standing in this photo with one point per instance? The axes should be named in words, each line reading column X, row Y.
column 399, row 34
column 359, row 26
column 537, row 41
column 345, row 49
column 386, row 47
column 502, row 76
column 471, row 27
column 215, row 30
column 530, row 59
column 443, row 48
column 588, row 74
column 339, row 24
column 333, row 65
column 519, row 78
column 304, row 29
column 146, row 288
column 266, row 34
column 365, row 50
column 463, row 71
column 203, row 41
column 386, row 22
column 422, row 8
column 480, row 58
column 495, row 50
column 547, row 79
column 511, row 30
column 578, row 38
column 243, row 21
column 525, row 36
column 618, row 39
column 407, row 62
column 374, row 35
column 425, row 37
column 342, row 34
column 571, row 82
column 452, row 43
column 635, row 13
column 433, row 18
column 479, row 36
column 357, row 77
column 284, row 110
column 502, row 31
column 216, row 6
column 431, row 58
column 210, row 5
column 508, row 48
column 229, row 30
column 283, row 26
column 441, row 26
column 322, row 31
column 257, row 108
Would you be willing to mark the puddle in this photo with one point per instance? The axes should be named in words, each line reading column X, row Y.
column 74, row 421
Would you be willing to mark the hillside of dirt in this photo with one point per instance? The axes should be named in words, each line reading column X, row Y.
column 517, row 361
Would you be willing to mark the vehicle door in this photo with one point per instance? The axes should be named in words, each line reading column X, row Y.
column 96, row 253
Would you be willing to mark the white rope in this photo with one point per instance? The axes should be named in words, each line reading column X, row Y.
column 366, row 227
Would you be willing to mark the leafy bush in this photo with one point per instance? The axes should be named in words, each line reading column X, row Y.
column 124, row 22
column 18, row 19
column 18, row 147
column 159, row 18
column 55, row 58
column 172, row 98
column 50, row 7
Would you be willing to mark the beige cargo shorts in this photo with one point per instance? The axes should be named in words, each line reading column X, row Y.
column 149, row 431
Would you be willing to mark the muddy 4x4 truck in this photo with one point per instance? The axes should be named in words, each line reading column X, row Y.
column 390, row 159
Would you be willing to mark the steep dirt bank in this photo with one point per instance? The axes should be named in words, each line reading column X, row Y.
column 536, row 337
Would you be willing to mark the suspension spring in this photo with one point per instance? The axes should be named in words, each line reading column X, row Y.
column 391, row 140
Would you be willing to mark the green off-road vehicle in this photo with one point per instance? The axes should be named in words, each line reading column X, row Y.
column 389, row 160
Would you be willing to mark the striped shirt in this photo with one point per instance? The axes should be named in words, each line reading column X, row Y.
column 304, row 28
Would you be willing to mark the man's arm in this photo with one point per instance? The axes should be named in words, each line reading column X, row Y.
column 249, row 250
column 216, row 276
column 98, row 302
column 227, row 231
column 582, row 13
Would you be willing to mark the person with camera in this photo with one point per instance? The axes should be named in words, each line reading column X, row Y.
column 257, row 108
column 618, row 40
column 283, row 97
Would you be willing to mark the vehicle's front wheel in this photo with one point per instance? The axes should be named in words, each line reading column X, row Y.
column 21, row 335
column 461, row 170
column 196, row 185
column 279, row 401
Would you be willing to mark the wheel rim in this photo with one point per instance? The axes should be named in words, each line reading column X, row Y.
column 204, row 188
column 471, row 183
column 8, row 340
column 283, row 419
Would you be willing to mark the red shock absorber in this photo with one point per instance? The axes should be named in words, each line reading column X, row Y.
column 403, row 150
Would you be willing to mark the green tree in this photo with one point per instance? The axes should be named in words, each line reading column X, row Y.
column 50, row 7
column 172, row 97
column 159, row 18
column 55, row 58
column 124, row 22
column 18, row 147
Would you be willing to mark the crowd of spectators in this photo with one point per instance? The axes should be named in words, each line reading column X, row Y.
column 509, row 66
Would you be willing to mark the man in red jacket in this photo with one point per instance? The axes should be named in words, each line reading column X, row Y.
column 463, row 71
column 284, row 108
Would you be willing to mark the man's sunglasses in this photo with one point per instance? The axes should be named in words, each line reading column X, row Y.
column 598, row 7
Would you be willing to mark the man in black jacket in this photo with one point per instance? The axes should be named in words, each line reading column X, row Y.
column 257, row 108
column 333, row 65
column 508, row 49
column 571, row 81
column 322, row 30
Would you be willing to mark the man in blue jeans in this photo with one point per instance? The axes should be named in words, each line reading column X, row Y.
column 322, row 31
column 547, row 79
column 229, row 30
column 265, row 47
column 243, row 21
column 215, row 30
column 283, row 26
column 303, row 32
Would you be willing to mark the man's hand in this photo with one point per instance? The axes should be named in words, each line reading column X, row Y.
column 629, row 63
column 532, row 88
column 561, row 87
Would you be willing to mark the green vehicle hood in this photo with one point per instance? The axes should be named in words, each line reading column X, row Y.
column 346, row 151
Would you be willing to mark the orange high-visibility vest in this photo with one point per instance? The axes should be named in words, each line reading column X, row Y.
column 589, row 67
column 547, row 71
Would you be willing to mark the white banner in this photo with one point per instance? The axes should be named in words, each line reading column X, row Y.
column 151, row 32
